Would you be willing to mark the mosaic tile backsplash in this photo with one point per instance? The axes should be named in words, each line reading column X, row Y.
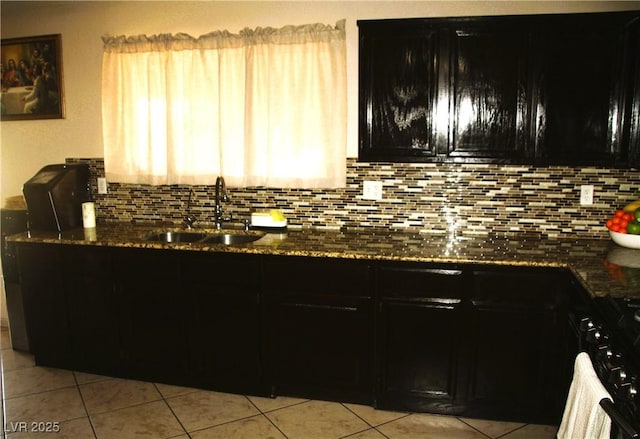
column 420, row 198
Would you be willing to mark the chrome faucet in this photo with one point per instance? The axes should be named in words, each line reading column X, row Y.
column 221, row 195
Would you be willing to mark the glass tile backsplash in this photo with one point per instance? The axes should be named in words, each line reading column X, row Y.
column 461, row 199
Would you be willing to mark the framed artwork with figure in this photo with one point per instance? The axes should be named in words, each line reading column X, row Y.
column 31, row 78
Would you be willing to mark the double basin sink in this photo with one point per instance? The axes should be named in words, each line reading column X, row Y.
column 188, row 237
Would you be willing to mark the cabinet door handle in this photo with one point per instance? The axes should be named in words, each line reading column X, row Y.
column 324, row 307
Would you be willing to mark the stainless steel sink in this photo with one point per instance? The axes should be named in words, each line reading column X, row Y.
column 230, row 239
column 176, row 237
column 204, row 237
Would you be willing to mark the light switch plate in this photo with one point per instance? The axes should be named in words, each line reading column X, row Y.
column 372, row 190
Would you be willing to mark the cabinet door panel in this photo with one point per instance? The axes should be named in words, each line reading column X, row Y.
column 93, row 311
column 224, row 339
column 320, row 321
column 508, row 374
column 489, row 91
column 584, row 90
column 421, row 344
column 322, row 346
column 514, row 369
column 42, row 276
column 398, row 85
column 224, row 328
column 151, row 314
column 510, row 364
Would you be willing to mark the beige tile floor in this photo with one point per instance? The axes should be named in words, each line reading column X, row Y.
column 82, row 406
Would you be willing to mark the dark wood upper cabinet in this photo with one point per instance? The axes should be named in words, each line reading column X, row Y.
column 585, row 89
column 488, row 90
column 536, row 89
column 399, row 85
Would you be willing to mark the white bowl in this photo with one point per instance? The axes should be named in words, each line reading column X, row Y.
column 625, row 239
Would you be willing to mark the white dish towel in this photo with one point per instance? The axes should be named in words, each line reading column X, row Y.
column 583, row 417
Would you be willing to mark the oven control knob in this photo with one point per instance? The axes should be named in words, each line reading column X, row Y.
column 586, row 324
column 604, row 353
column 615, row 373
column 619, row 377
column 633, row 392
column 622, row 375
column 596, row 336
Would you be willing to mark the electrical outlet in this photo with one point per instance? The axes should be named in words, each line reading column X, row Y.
column 586, row 195
column 102, row 185
column 372, row 190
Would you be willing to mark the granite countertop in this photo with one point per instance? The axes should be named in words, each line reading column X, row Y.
column 601, row 266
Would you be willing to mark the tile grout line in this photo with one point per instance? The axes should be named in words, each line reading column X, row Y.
column 512, row 431
column 170, row 409
column 264, row 414
column 476, row 429
column 371, row 427
column 37, row 393
column 84, row 404
column 260, row 413
column 406, row 415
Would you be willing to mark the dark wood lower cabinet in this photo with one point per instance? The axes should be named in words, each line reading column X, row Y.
column 483, row 343
column 92, row 307
column 44, row 290
column 516, row 330
column 224, row 324
column 421, row 344
column 510, row 365
column 320, row 349
column 320, row 321
column 422, row 335
column 152, row 314
column 470, row 340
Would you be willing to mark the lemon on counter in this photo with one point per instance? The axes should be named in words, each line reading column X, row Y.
column 632, row 207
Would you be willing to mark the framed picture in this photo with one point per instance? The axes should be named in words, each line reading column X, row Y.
column 31, row 78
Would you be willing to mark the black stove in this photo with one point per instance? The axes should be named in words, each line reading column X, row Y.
column 622, row 316
column 611, row 337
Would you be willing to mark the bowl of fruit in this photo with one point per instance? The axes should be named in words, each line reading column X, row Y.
column 624, row 226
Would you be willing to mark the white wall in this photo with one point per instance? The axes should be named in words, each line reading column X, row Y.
column 28, row 145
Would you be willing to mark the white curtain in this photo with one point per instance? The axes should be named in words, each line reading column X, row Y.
column 265, row 107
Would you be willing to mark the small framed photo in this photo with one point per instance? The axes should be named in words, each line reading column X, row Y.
column 31, row 78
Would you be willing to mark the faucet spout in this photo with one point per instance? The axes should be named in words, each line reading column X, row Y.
column 221, row 196
column 189, row 219
column 221, row 191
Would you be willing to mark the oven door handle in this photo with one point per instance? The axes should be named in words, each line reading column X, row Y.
column 611, row 411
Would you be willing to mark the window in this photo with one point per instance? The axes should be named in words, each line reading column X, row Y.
column 265, row 107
